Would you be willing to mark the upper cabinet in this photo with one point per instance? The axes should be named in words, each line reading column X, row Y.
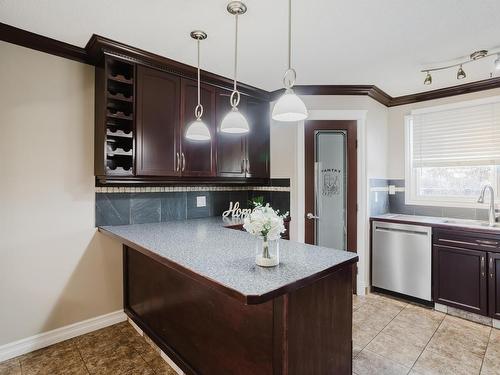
column 143, row 112
column 257, row 148
column 230, row 147
column 197, row 157
column 157, row 123
column 244, row 155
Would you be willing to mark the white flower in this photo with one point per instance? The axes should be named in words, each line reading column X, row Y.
column 265, row 222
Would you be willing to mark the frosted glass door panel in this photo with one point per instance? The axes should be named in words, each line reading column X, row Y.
column 330, row 188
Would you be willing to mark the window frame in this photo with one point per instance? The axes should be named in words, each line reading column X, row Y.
column 412, row 178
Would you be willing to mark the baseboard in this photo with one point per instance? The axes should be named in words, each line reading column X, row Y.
column 42, row 340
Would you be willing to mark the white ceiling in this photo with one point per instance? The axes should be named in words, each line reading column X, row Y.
column 380, row 42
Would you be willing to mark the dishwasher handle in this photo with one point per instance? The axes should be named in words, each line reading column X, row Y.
column 406, row 231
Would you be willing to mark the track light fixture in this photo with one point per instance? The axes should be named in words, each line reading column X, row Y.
column 428, row 79
column 477, row 55
column 461, row 73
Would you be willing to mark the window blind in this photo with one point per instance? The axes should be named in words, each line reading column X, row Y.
column 466, row 136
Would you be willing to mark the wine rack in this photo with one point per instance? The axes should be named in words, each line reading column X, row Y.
column 119, row 113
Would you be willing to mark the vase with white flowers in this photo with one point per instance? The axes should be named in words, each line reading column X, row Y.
column 266, row 224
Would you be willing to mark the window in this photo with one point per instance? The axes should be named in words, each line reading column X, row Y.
column 451, row 152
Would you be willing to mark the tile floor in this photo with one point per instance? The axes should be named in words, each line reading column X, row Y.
column 393, row 337
column 390, row 337
column 115, row 350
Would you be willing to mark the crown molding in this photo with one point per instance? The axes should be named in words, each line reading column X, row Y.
column 41, row 43
column 369, row 90
column 466, row 88
column 98, row 45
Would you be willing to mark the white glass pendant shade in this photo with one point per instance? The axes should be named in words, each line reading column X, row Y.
column 234, row 122
column 289, row 107
column 198, row 131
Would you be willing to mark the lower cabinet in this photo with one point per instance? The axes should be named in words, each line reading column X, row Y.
column 494, row 284
column 466, row 270
column 460, row 278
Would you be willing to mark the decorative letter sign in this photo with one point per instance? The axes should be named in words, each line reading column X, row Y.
column 236, row 211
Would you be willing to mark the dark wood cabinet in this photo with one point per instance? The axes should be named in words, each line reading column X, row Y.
column 257, row 145
column 197, row 157
column 230, row 147
column 142, row 112
column 244, row 155
column 157, row 123
column 460, row 278
column 494, row 284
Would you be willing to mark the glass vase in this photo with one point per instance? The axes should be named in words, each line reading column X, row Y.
column 267, row 252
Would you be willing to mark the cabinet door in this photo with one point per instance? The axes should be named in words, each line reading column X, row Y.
column 198, row 157
column 230, row 147
column 460, row 278
column 257, row 150
column 494, row 284
column 157, row 123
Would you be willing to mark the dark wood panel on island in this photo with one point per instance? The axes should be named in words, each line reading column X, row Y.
column 306, row 331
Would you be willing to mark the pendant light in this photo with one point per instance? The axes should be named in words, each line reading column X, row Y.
column 198, row 130
column 234, row 121
column 289, row 106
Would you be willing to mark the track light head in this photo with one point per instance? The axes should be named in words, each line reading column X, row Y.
column 461, row 73
column 497, row 62
column 428, row 79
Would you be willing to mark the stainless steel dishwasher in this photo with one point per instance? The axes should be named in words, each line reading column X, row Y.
column 402, row 258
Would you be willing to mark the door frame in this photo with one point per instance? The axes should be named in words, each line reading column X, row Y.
column 350, row 126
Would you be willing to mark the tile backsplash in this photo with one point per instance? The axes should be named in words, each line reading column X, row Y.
column 120, row 208
column 382, row 202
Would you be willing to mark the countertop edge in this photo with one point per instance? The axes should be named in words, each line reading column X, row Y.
column 247, row 299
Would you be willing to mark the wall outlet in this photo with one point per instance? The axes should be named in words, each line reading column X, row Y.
column 201, row 201
column 392, row 189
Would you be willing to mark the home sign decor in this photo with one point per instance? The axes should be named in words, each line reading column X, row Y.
column 236, row 211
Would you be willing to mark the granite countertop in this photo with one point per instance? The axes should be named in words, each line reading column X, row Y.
column 225, row 258
column 446, row 222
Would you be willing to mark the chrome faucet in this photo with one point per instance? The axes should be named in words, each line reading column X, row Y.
column 491, row 213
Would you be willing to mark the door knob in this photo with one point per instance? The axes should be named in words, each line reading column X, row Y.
column 311, row 216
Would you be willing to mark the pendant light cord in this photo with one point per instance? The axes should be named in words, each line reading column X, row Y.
column 235, row 52
column 198, row 111
column 290, row 75
column 289, row 34
column 235, row 95
column 198, row 42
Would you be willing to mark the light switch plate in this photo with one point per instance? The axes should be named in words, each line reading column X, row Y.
column 201, row 201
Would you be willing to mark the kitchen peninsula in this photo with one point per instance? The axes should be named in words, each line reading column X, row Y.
column 193, row 287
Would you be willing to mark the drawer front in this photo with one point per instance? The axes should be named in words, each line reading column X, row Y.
column 467, row 240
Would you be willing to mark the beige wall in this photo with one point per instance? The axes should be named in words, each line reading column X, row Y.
column 396, row 156
column 54, row 268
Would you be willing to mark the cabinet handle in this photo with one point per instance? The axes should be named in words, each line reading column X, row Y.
column 248, row 166
column 491, row 268
column 485, row 242
column 183, row 162
column 178, row 158
column 482, row 266
column 243, row 166
column 456, row 242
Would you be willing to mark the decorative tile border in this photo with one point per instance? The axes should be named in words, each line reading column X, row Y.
column 165, row 189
